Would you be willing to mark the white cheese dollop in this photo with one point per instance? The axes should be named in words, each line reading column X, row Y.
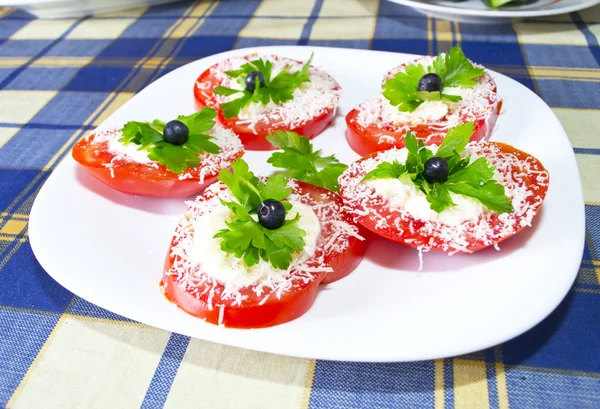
column 227, row 268
column 407, row 196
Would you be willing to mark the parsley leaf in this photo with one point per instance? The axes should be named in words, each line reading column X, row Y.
column 278, row 89
column 386, row 170
column 456, row 139
column 176, row 158
column 245, row 237
column 303, row 163
column 455, row 70
column 474, row 179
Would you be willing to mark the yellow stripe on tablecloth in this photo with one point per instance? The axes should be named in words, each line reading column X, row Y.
column 429, row 36
column 501, row 384
column 13, row 62
column 32, row 368
column 470, row 385
column 5, row 11
column 43, row 29
column 438, row 376
column 210, row 372
column 443, row 32
column 6, row 134
column 589, row 169
column 349, row 8
column 310, row 375
column 581, row 126
column 290, row 28
column 80, row 352
column 20, row 106
column 56, row 62
column 546, row 33
column 13, row 227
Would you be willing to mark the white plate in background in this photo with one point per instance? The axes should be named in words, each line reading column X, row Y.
column 475, row 11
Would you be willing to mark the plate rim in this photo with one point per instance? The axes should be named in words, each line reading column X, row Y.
column 496, row 14
column 518, row 330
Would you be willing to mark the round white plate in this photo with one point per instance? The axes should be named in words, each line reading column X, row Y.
column 475, row 11
column 109, row 247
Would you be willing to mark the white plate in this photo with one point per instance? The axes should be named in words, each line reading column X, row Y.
column 109, row 248
column 475, row 11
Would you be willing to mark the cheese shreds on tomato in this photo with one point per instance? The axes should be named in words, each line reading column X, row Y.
column 524, row 179
column 311, row 99
column 208, row 283
column 210, row 164
column 378, row 125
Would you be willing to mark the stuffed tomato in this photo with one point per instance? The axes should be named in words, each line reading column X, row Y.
column 176, row 159
column 434, row 198
column 426, row 97
column 258, row 95
column 250, row 262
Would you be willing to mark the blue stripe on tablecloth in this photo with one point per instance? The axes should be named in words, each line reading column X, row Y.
column 79, row 306
column 165, row 372
column 587, row 151
column 314, row 14
column 534, row 388
column 30, row 287
column 23, row 335
column 589, row 36
column 565, row 340
column 448, row 384
column 490, row 371
column 30, row 125
column 343, row 385
column 41, row 53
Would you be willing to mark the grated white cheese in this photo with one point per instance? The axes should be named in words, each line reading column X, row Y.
column 230, row 148
column 310, row 100
column 200, row 276
column 227, row 268
column 365, row 203
column 411, row 199
column 478, row 103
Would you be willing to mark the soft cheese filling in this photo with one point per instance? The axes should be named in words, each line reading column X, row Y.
column 226, row 139
column 227, row 268
column 475, row 100
column 402, row 195
column 310, row 100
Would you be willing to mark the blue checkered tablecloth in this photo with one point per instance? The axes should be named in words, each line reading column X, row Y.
column 61, row 78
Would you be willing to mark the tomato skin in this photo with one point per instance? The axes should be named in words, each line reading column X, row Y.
column 366, row 140
column 258, row 141
column 293, row 302
column 405, row 229
column 203, row 93
column 136, row 178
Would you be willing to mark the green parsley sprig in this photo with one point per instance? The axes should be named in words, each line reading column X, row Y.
column 245, row 237
column 303, row 163
column 455, row 70
column 469, row 179
column 277, row 89
column 177, row 158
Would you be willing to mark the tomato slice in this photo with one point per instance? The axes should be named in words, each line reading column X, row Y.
column 525, row 180
column 372, row 133
column 253, row 136
column 148, row 179
column 339, row 250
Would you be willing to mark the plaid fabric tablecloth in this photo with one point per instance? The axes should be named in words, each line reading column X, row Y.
column 59, row 79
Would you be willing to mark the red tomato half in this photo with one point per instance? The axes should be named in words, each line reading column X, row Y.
column 371, row 132
column 257, row 305
column 254, row 137
column 525, row 181
column 150, row 179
